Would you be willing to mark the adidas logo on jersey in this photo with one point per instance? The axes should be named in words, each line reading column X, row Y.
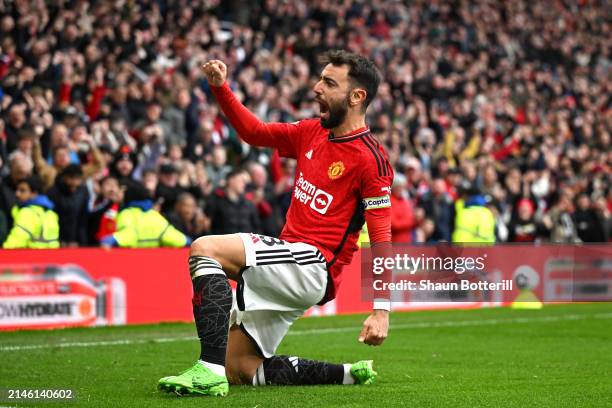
column 309, row 154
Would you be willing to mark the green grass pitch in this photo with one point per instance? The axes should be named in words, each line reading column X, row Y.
column 560, row 356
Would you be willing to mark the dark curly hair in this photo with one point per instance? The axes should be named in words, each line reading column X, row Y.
column 362, row 72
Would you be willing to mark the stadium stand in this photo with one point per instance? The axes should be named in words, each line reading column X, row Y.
column 507, row 99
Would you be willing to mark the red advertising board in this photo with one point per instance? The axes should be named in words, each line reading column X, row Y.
column 124, row 286
column 84, row 287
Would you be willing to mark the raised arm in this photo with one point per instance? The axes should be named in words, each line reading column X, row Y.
column 251, row 129
column 45, row 170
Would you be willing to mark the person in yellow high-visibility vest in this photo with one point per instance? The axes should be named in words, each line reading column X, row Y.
column 35, row 223
column 141, row 226
column 474, row 221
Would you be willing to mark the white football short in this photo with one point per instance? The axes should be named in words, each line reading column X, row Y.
column 280, row 282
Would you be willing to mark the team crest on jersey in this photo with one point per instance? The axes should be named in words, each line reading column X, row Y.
column 336, row 169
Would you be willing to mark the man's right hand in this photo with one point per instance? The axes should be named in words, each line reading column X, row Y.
column 216, row 72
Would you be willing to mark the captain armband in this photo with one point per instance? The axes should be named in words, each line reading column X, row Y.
column 373, row 203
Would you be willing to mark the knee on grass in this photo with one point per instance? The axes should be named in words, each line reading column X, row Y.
column 239, row 371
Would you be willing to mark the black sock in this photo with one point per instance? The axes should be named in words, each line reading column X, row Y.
column 285, row 370
column 212, row 303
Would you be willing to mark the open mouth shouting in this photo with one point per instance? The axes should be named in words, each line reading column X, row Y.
column 323, row 109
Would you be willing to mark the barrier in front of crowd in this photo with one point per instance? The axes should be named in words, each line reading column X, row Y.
column 92, row 286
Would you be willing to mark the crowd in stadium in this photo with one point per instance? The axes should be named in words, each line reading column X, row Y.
column 505, row 102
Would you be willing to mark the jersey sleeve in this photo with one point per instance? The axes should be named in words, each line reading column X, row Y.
column 376, row 183
column 376, row 194
column 283, row 136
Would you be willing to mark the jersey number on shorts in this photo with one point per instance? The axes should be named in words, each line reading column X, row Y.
column 270, row 241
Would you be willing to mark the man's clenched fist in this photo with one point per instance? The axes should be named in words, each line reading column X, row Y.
column 216, row 72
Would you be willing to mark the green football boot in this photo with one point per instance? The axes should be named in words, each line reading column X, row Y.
column 363, row 373
column 199, row 380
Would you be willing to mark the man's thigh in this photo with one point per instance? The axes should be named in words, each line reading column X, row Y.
column 280, row 282
column 228, row 250
column 242, row 358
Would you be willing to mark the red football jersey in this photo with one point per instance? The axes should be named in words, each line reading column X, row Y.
column 337, row 179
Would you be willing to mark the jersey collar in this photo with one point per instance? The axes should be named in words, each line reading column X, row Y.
column 348, row 137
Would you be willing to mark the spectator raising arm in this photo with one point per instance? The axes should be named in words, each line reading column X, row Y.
column 46, row 171
column 97, row 163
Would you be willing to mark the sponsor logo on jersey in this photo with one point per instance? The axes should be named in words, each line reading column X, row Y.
column 336, row 169
column 386, row 189
column 308, row 194
column 377, row 202
column 309, row 154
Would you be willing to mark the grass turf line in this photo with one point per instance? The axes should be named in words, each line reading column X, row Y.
column 558, row 356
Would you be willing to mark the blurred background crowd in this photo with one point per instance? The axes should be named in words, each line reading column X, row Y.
column 506, row 101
